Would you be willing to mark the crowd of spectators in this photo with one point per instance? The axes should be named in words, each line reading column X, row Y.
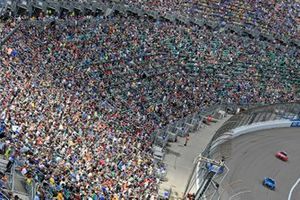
column 6, row 28
column 280, row 17
column 80, row 97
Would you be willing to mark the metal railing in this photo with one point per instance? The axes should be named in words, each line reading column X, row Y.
column 193, row 122
column 3, row 196
column 14, row 176
column 251, row 114
column 287, row 110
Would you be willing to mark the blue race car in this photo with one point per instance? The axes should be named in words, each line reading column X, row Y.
column 269, row 183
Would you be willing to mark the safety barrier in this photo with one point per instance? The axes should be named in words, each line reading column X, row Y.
column 274, row 111
column 253, row 118
column 252, row 128
column 160, row 137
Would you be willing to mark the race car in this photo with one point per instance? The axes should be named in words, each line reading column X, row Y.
column 269, row 183
column 282, row 155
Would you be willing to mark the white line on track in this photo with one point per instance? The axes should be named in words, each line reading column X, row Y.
column 237, row 194
column 292, row 189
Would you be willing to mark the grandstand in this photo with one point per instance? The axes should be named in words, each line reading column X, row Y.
column 93, row 91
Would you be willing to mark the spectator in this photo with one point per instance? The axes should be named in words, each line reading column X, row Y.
column 187, row 138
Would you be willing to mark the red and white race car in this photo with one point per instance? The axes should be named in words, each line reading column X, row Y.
column 282, row 155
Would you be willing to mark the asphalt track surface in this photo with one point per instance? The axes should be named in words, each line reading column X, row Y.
column 252, row 157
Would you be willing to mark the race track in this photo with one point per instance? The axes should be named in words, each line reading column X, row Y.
column 252, row 157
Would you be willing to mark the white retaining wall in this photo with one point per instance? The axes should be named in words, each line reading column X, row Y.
column 285, row 123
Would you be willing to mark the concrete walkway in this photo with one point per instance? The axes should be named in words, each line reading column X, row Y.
column 179, row 158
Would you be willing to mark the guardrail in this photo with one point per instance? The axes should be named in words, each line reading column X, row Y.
column 265, row 117
column 249, row 129
column 280, row 110
column 161, row 136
